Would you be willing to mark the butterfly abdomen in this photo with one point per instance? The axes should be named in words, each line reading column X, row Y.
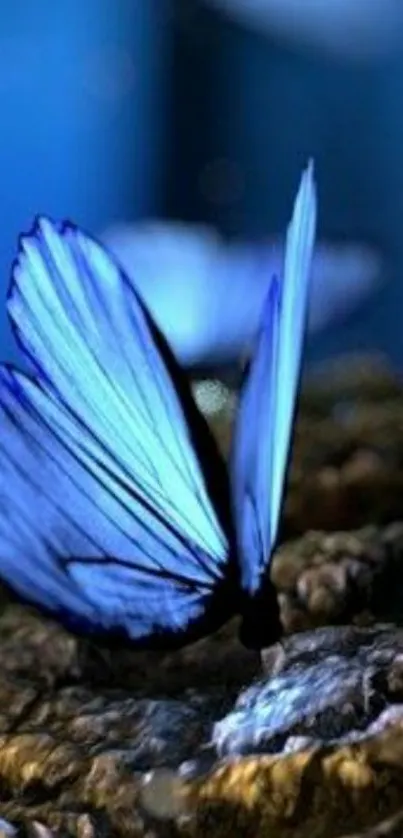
column 261, row 625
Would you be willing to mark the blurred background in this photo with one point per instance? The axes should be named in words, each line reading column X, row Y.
column 118, row 112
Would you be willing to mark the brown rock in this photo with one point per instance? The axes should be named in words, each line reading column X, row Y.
column 74, row 758
column 353, row 377
column 325, row 578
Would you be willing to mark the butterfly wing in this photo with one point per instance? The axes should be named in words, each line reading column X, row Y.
column 266, row 410
column 113, row 430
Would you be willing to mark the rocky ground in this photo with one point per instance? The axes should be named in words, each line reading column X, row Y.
column 214, row 740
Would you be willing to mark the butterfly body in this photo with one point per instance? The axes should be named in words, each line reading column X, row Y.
column 117, row 512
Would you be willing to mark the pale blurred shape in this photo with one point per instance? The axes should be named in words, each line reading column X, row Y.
column 207, row 296
column 7, row 829
column 160, row 794
column 355, row 29
column 212, row 396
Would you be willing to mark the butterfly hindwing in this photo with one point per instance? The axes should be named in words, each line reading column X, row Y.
column 267, row 402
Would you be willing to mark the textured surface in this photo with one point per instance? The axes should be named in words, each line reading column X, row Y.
column 319, row 721
column 78, row 738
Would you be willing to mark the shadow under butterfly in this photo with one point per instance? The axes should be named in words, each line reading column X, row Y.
column 117, row 512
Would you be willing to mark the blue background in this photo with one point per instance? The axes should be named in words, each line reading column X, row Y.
column 118, row 109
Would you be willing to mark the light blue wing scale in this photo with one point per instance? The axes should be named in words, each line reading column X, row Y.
column 293, row 320
column 267, row 403
column 74, row 541
column 81, row 324
column 158, row 536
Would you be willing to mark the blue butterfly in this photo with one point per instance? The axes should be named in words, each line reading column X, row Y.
column 116, row 509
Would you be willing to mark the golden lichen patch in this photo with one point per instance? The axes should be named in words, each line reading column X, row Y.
column 26, row 759
column 315, row 794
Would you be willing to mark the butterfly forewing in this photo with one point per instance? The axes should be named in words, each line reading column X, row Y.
column 267, row 402
column 107, row 496
column 82, row 325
